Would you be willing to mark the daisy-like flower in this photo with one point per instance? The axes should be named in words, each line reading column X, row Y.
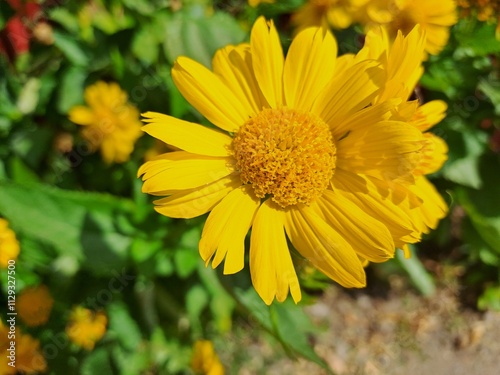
column 9, row 245
column 110, row 122
column 86, row 327
column 34, row 305
column 205, row 360
column 290, row 130
column 435, row 18
column 338, row 14
column 28, row 357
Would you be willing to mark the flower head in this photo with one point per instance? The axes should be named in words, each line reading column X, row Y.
column 205, row 360
column 34, row 305
column 28, row 357
column 302, row 152
column 86, row 327
column 110, row 122
column 9, row 246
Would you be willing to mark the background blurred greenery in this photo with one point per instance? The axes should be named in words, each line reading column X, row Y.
column 89, row 234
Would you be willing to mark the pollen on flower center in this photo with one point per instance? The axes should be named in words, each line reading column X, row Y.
column 286, row 154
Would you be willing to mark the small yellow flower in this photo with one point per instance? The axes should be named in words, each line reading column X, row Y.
column 302, row 153
column 86, row 327
column 110, row 122
column 205, row 360
column 34, row 305
column 435, row 18
column 28, row 357
column 9, row 246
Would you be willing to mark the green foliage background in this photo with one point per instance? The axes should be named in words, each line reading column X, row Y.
column 84, row 225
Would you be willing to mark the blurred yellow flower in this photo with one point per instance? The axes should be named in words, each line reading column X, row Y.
column 110, row 122
column 34, row 305
column 435, row 18
column 254, row 3
column 338, row 14
column 86, row 327
column 205, row 360
column 28, row 358
column 9, row 246
column 300, row 153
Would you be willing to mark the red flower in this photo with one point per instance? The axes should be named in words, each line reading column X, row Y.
column 16, row 35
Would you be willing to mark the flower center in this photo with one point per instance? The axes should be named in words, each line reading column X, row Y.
column 285, row 154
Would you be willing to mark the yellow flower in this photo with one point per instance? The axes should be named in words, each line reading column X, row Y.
column 297, row 145
column 86, row 327
column 9, row 246
column 204, row 360
column 28, row 359
column 338, row 14
column 34, row 305
column 255, row 3
column 110, row 122
column 435, row 18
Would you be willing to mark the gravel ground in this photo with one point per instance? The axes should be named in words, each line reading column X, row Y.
column 398, row 333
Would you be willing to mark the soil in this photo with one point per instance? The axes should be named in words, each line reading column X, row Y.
column 400, row 332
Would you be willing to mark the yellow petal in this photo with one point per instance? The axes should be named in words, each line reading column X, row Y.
column 388, row 150
column 268, row 60
column 326, row 249
column 234, row 67
column 429, row 114
column 433, row 208
column 309, row 66
column 365, row 118
column 225, row 230
column 195, row 202
column 271, row 266
column 209, row 95
column 339, row 17
column 81, row 115
column 369, row 237
column 187, row 135
column 182, row 170
column 348, row 92
column 371, row 200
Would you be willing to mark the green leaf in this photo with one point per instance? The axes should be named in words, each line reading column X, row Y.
column 293, row 328
column 145, row 44
column 32, row 144
column 97, row 362
column 21, row 173
column 476, row 39
column 73, row 223
column 466, row 147
column 186, row 261
column 420, row 278
column 196, row 301
column 199, row 37
column 490, row 299
column 70, row 48
column 64, row 17
column 123, row 327
column 482, row 205
column 492, row 90
column 71, row 89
